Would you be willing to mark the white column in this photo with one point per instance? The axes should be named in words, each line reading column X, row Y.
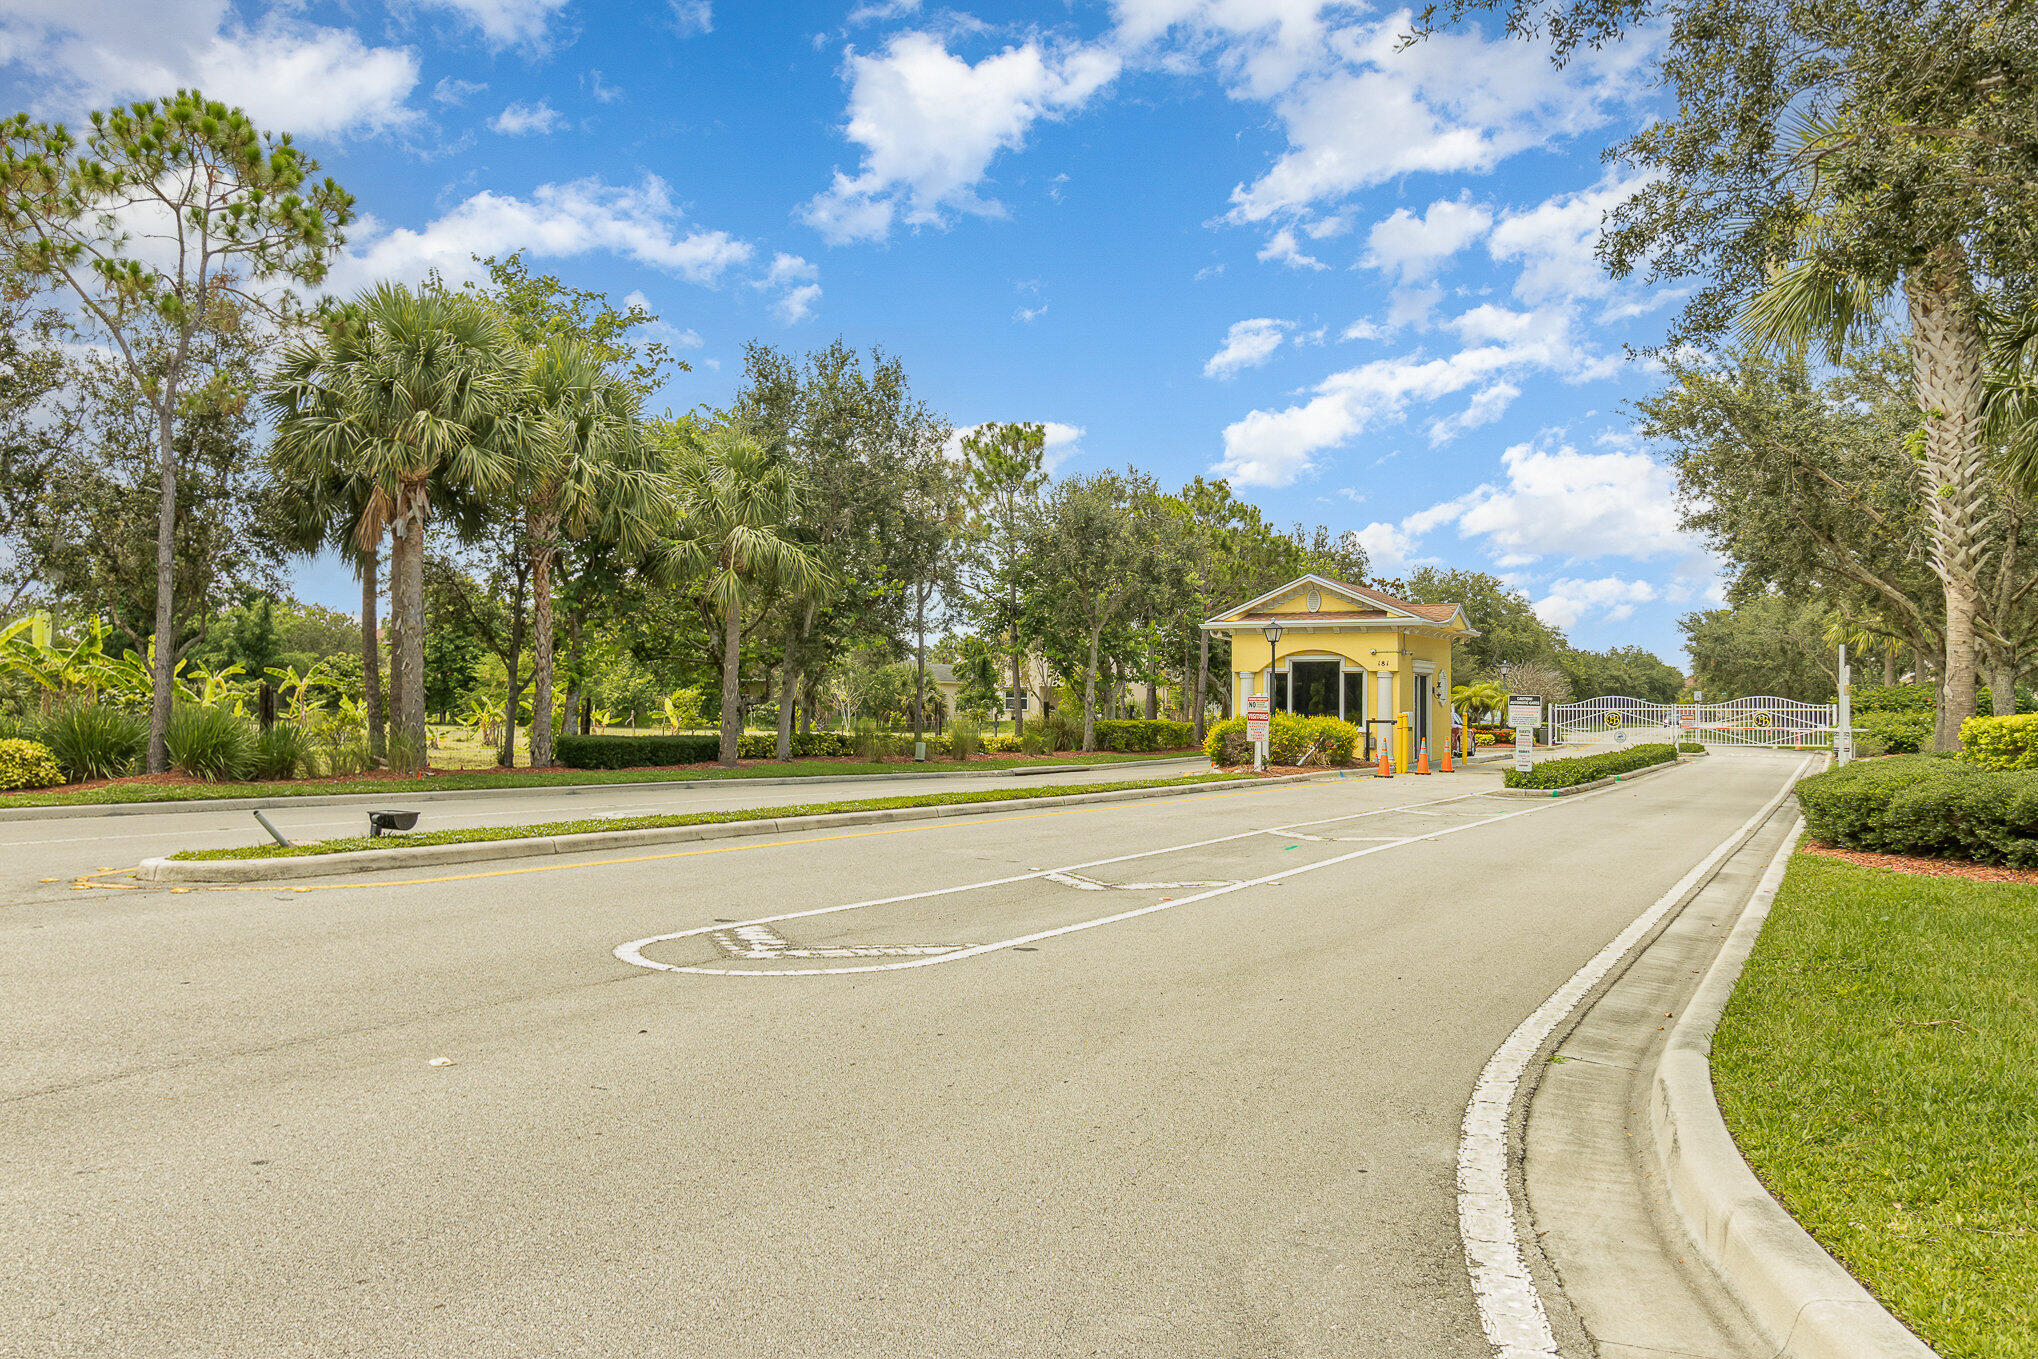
column 1340, row 691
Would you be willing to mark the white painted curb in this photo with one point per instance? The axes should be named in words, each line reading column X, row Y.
column 421, row 856
column 1799, row 1298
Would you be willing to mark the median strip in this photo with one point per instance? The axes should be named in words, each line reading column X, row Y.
column 360, row 854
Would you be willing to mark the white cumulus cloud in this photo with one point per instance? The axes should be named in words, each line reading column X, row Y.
column 1412, row 246
column 1558, row 502
column 1612, row 598
column 289, row 74
column 1248, row 344
column 526, row 120
column 639, row 223
column 930, row 123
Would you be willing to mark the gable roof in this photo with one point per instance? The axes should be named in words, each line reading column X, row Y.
column 1384, row 605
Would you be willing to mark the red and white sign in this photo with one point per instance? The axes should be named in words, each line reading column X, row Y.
column 1259, row 716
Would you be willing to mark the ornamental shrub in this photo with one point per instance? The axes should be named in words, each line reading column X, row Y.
column 2001, row 742
column 1884, row 732
column 1289, row 740
column 636, row 752
column 1930, row 805
column 1585, row 768
column 95, row 740
column 214, row 744
column 1142, row 734
column 1895, row 698
column 28, row 764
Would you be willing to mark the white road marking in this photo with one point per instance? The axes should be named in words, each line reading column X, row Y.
column 1083, row 884
column 1510, row 1309
column 632, row 952
column 762, row 941
column 1295, row 835
column 292, row 825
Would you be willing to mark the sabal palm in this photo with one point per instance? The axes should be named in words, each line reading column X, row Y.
column 1817, row 300
column 347, row 511
column 405, row 392
column 587, row 474
column 737, row 499
column 1478, row 698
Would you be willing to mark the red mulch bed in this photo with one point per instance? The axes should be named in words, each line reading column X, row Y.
column 1924, row 866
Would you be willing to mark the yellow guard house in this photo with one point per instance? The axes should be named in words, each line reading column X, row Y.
column 1323, row 648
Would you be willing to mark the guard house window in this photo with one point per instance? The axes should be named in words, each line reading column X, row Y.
column 1355, row 698
column 1313, row 688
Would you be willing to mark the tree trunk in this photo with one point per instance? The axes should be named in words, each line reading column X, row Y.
column 732, row 664
column 162, row 670
column 1946, row 349
column 2002, row 685
column 1090, row 694
column 1888, row 665
column 1018, row 688
column 371, row 653
column 407, row 569
column 789, row 684
column 576, row 718
column 1202, row 685
column 920, row 661
column 542, row 531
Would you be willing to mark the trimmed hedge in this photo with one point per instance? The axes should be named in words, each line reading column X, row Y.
column 1289, row 738
column 28, row 764
column 2001, row 742
column 1893, row 733
column 1586, row 768
column 1141, row 734
column 1933, row 805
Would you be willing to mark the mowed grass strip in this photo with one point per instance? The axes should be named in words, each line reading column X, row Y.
column 1878, row 1066
column 555, row 778
column 476, row 834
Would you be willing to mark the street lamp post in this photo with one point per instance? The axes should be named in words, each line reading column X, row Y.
column 1273, row 631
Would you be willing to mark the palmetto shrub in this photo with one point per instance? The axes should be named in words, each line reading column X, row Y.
column 95, row 740
column 211, row 743
column 285, row 751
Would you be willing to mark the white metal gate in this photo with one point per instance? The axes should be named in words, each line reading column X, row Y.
column 1614, row 718
column 1767, row 721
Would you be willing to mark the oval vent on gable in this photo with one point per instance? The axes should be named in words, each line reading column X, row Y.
column 1315, row 601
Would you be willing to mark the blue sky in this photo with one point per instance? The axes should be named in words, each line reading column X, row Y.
column 1249, row 238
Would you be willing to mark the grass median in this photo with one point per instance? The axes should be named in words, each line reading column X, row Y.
column 1876, row 1067
column 479, row 834
column 468, row 780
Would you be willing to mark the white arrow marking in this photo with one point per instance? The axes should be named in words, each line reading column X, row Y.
column 1083, row 884
column 762, row 941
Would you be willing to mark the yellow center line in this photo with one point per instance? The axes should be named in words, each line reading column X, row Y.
column 931, row 824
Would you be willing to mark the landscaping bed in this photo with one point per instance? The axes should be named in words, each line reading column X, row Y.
column 183, row 787
column 1588, row 768
column 1935, row 806
column 586, row 825
column 1875, row 1067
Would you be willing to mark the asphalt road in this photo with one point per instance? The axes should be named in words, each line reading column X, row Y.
column 1224, row 1126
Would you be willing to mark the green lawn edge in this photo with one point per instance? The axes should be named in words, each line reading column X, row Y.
column 481, row 834
column 1875, row 1066
column 550, row 778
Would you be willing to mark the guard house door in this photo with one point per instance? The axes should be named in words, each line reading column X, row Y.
column 1422, row 683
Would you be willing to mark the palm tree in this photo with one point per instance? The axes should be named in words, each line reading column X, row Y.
column 585, row 474
column 351, row 514
column 1485, row 697
column 737, row 500
column 1822, row 300
column 405, row 392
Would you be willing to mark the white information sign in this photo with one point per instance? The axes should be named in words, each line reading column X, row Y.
column 1524, row 711
column 1259, row 716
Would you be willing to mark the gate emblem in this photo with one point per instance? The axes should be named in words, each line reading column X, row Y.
column 1763, row 719
column 1613, row 719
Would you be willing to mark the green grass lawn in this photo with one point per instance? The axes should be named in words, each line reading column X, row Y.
column 477, row 834
column 551, row 778
column 1879, row 1068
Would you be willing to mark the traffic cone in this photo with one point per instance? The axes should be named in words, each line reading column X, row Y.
column 1422, row 764
column 1447, row 755
column 1386, row 769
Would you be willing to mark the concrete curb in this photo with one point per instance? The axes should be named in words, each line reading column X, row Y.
column 397, row 791
column 424, row 856
column 1801, row 1300
column 1609, row 781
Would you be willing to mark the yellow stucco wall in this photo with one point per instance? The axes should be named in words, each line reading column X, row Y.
column 1400, row 653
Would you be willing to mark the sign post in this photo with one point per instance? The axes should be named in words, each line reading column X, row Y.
column 1259, row 720
column 1524, row 711
column 1843, row 730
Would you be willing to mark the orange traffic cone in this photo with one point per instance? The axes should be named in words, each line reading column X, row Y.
column 1386, row 769
column 1422, row 764
column 1447, row 755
